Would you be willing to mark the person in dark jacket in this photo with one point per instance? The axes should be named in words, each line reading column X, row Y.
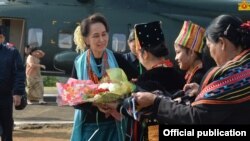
column 152, row 52
column 224, row 94
column 160, row 73
column 12, row 85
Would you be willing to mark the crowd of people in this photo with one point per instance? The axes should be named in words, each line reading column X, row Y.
column 214, row 90
column 194, row 99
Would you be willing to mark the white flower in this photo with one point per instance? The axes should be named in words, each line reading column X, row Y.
column 104, row 86
column 113, row 87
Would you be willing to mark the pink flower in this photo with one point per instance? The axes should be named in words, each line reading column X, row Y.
column 246, row 25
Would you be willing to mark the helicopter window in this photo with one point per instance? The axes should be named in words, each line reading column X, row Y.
column 3, row 2
column 65, row 40
column 119, row 42
column 35, row 37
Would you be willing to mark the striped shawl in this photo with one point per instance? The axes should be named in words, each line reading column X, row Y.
column 229, row 84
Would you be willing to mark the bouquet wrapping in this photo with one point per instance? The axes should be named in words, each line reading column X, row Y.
column 112, row 87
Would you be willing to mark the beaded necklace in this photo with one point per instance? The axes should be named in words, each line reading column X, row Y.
column 104, row 65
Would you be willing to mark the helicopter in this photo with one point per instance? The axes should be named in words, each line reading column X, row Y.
column 50, row 24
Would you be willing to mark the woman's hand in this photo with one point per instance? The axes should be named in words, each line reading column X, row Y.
column 43, row 66
column 144, row 99
column 112, row 105
column 191, row 89
column 109, row 109
column 103, row 108
column 16, row 100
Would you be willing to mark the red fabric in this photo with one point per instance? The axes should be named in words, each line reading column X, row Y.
column 165, row 63
column 135, row 130
column 246, row 25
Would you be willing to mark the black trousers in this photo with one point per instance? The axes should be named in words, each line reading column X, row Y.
column 6, row 120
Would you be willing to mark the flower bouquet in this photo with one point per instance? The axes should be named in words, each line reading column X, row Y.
column 112, row 87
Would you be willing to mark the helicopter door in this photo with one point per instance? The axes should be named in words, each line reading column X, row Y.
column 14, row 32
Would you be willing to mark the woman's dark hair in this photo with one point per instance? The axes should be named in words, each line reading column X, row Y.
column 159, row 50
column 207, row 61
column 229, row 27
column 92, row 19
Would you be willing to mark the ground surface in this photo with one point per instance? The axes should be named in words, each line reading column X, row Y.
column 42, row 134
column 53, row 134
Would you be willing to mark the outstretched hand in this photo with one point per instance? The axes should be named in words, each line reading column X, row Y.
column 112, row 105
column 191, row 89
column 43, row 66
column 103, row 108
column 144, row 99
column 109, row 109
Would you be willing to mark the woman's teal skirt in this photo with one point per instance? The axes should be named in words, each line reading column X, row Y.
column 104, row 131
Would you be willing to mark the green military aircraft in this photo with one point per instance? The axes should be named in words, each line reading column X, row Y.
column 50, row 24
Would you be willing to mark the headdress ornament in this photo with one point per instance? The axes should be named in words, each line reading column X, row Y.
column 191, row 36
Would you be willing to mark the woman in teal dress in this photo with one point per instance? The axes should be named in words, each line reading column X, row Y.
column 89, row 122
